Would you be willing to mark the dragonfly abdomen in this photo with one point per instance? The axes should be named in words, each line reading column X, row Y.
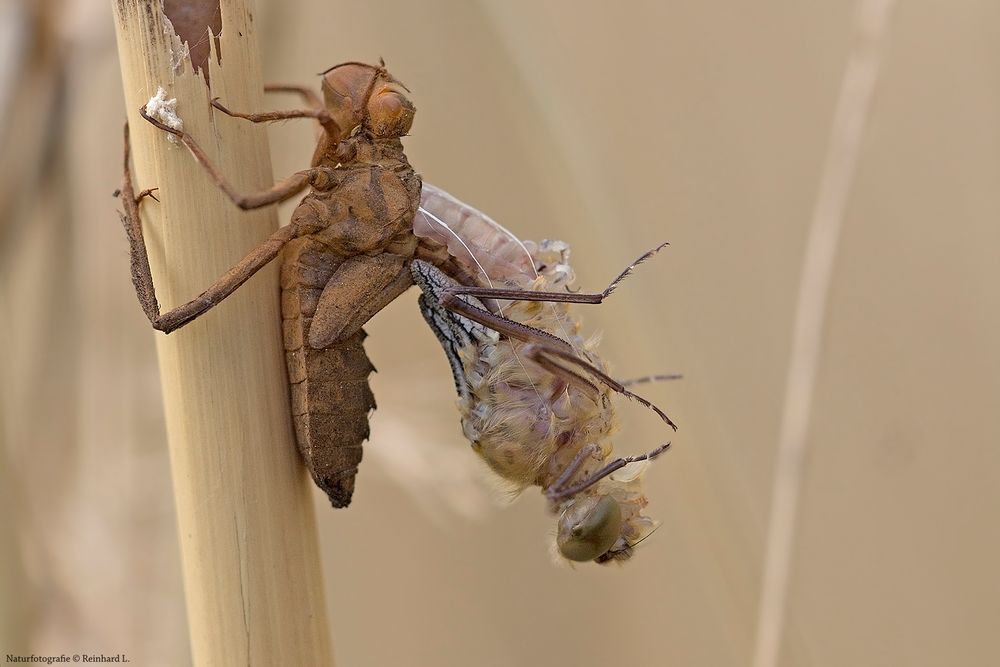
column 331, row 398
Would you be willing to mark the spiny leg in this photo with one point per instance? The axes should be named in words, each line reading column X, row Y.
column 142, row 279
column 522, row 332
column 543, row 347
column 558, row 297
column 320, row 114
column 307, row 94
column 557, row 494
column 219, row 290
column 279, row 192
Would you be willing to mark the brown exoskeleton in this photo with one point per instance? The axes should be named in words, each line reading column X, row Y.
column 346, row 255
column 359, row 238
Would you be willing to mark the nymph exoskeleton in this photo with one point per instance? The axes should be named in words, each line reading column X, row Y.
column 346, row 255
column 535, row 398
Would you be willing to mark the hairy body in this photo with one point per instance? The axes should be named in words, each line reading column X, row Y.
column 533, row 426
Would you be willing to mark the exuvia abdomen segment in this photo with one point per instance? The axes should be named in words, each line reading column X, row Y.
column 330, row 395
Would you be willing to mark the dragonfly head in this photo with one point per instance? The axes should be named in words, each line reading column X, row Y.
column 605, row 522
column 589, row 528
column 367, row 97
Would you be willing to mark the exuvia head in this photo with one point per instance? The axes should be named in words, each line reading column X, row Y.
column 366, row 98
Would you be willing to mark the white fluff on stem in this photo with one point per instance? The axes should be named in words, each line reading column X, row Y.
column 165, row 111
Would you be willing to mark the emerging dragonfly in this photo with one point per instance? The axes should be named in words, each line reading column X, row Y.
column 361, row 236
column 534, row 396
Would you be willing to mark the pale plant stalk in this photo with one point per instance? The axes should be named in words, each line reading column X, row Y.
column 249, row 548
column 854, row 101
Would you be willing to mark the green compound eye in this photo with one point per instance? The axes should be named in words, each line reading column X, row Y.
column 589, row 528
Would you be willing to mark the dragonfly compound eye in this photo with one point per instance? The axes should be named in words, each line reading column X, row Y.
column 390, row 112
column 589, row 527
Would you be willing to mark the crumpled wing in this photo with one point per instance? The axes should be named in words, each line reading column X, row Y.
column 481, row 244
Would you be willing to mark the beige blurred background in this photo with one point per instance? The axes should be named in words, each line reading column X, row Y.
column 613, row 127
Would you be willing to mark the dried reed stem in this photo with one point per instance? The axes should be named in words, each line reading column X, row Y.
column 849, row 119
column 247, row 529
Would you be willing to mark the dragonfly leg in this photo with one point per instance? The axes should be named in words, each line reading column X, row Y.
column 552, row 353
column 307, row 94
column 558, row 297
column 280, row 191
column 319, row 113
column 572, row 467
column 219, row 290
column 558, row 493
